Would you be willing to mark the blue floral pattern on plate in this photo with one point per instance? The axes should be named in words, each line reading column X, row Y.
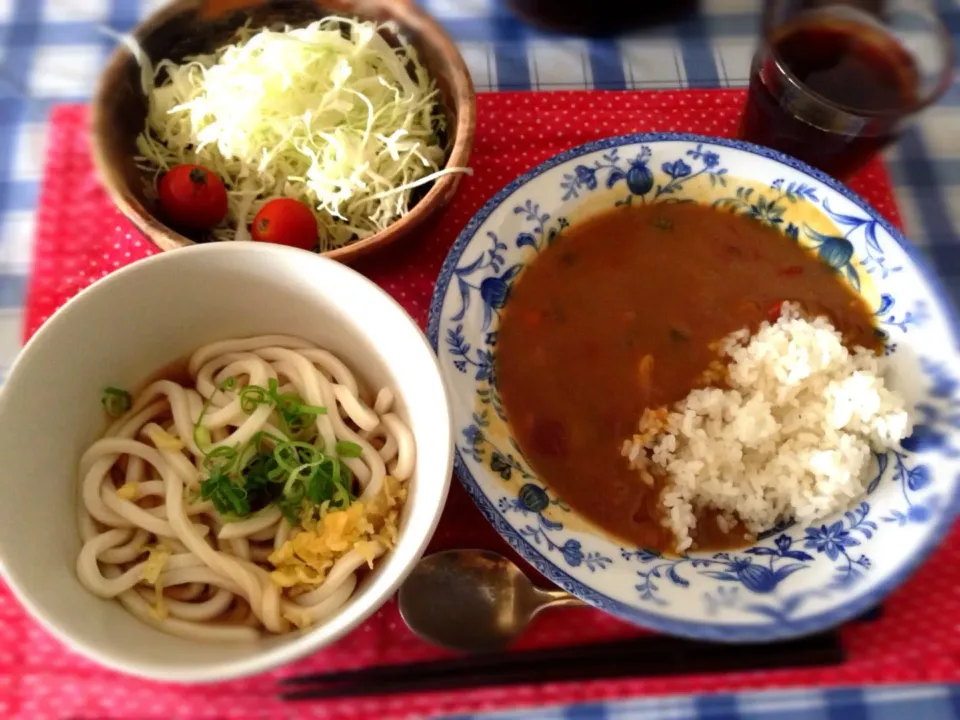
column 795, row 579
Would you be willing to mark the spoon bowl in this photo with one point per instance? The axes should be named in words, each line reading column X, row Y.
column 473, row 600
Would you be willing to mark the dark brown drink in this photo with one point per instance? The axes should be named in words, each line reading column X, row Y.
column 831, row 93
column 834, row 81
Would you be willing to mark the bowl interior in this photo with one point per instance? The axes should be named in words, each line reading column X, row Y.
column 190, row 27
column 126, row 327
column 794, row 579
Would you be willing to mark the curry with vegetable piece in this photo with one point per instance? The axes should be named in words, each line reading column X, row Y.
column 619, row 314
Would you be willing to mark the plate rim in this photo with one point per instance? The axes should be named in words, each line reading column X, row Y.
column 699, row 629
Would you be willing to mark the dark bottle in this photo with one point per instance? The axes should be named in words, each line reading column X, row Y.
column 600, row 17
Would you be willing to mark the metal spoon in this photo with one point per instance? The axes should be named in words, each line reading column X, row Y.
column 473, row 600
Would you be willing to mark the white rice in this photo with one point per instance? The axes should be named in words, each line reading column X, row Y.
column 791, row 437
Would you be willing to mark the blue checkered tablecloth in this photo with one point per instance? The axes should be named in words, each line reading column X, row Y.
column 52, row 50
column 927, row 702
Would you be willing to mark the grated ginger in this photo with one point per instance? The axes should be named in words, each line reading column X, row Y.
column 128, row 491
column 163, row 440
column 152, row 568
column 328, row 535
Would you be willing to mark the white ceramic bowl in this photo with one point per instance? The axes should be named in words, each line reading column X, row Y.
column 132, row 323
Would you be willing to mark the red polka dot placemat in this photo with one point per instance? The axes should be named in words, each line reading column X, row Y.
column 81, row 238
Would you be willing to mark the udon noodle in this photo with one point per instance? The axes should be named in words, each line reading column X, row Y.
column 247, row 499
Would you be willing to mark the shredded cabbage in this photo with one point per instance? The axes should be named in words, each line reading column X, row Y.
column 329, row 114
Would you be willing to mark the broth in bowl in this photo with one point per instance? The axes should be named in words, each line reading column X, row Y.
column 732, row 346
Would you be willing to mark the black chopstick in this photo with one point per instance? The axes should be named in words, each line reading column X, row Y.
column 871, row 615
column 454, row 665
column 639, row 657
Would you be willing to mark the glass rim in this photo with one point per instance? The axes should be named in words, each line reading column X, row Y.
column 854, row 114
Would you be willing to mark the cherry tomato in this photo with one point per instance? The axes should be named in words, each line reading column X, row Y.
column 192, row 197
column 286, row 222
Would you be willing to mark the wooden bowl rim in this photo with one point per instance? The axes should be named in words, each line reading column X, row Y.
column 441, row 192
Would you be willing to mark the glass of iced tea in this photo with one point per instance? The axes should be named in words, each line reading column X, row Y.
column 833, row 82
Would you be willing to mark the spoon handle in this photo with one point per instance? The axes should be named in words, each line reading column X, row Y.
column 556, row 599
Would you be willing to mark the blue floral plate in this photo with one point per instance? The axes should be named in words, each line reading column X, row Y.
column 794, row 579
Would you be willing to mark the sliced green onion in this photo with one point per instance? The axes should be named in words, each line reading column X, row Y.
column 269, row 469
column 227, row 497
column 294, row 415
column 258, row 439
column 348, row 449
column 222, row 456
column 290, row 503
column 116, row 401
column 201, row 436
column 312, row 410
column 286, row 456
column 252, row 397
column 341, row 496
column 293, row 424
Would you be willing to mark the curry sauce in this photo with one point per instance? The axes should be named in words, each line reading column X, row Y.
column 623, row 312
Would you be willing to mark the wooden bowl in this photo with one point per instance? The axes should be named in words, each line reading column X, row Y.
column 189, row 27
